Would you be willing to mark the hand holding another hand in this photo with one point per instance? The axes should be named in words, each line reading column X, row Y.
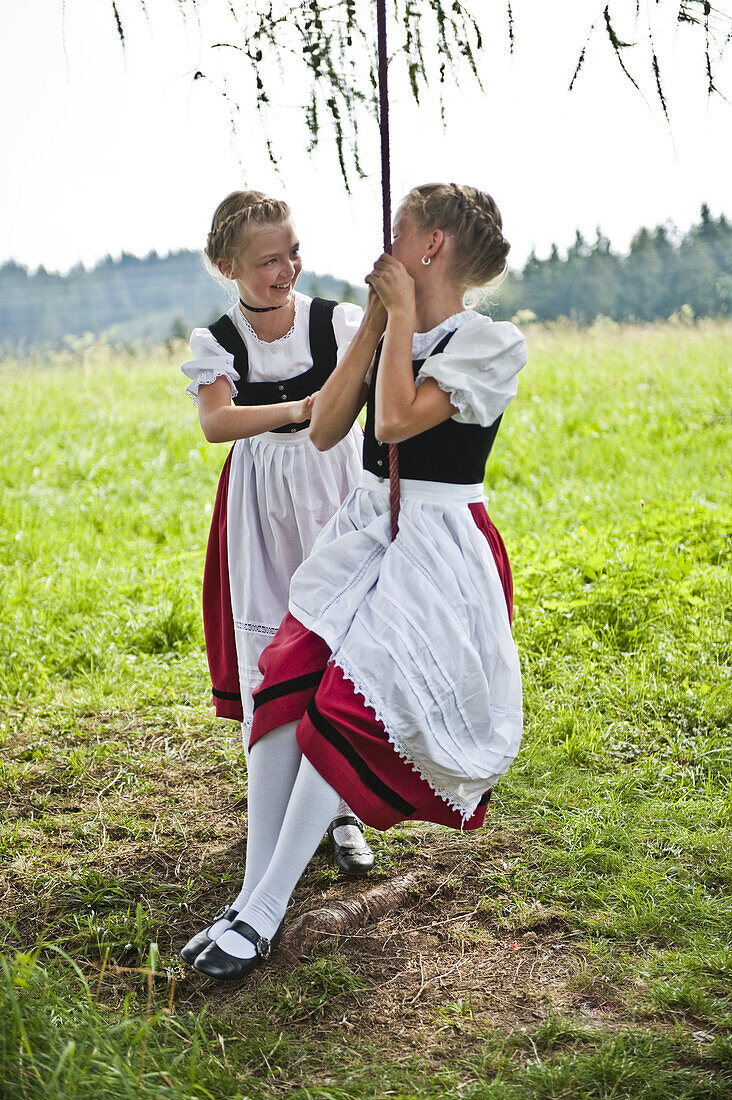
column 302, row 410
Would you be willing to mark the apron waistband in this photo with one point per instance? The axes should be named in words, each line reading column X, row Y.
column 435, row 492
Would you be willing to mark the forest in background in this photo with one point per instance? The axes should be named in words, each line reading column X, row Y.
column 156, row 298
column 664, row 272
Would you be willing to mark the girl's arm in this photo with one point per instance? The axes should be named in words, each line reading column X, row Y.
column 223, row 422
column 343, row 395
column 402, row 408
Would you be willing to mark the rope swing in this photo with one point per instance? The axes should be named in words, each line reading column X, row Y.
column 386, row 212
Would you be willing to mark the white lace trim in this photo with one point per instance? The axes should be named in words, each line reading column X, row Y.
column 205, row 377
column 374, row 704
column 270, row 343
column 255, row 628
column 461, row 399
column 421, row 341
column 353, row 581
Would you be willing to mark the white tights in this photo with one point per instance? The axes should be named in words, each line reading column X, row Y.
column 290, row 806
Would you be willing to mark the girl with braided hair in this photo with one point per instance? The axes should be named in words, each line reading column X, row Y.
column 393, row 681
column 253, row 377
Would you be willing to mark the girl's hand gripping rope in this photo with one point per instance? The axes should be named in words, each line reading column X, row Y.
column 394, row 286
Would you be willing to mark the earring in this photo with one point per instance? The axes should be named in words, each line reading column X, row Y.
column 426, row 260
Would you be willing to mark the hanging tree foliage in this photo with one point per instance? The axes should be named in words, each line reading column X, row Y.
column 329, row 47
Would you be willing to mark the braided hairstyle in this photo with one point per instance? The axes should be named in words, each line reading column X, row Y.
column 473, row 221
column 239, row 213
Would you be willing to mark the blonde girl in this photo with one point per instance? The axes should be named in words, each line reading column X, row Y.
column 253, row 378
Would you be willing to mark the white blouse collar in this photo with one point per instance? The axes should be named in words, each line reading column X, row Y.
column 423, row 341
column 243, row 324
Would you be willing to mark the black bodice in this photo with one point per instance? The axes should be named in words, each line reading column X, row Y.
column 323, row 349
column 449, row 452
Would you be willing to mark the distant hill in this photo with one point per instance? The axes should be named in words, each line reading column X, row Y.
column 151, row 298
column 665, row 273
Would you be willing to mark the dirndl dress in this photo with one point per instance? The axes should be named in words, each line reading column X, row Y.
column 396, row 658
column 276, row 491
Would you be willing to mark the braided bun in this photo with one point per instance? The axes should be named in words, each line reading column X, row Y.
column 473, row 221
column 241, row 211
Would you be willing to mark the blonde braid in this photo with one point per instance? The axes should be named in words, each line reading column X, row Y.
column 238, row 212
column 472, row 219
column 489, row 215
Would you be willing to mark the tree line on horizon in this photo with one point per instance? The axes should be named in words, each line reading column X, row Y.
column 663, row 273
column 156, row 298
column 152, row 298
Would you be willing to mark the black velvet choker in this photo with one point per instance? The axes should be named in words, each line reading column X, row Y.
column 259, row 309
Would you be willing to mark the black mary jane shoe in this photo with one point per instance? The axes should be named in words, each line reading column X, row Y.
column 218, row 964
column 202, row 940
column 351, row 861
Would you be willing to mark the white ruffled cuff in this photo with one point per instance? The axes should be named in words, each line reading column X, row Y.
column 203, row 372
column 478, row 400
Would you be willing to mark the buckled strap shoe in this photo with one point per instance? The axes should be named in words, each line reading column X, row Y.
column 351, row 859
column 218, row 964
column 201, row 940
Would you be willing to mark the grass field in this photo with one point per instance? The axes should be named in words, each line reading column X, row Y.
column 578, row 946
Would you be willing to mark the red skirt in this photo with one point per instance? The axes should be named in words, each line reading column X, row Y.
column 218, row 620
column 340, row 735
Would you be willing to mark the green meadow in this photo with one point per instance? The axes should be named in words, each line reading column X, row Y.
column 579, row 946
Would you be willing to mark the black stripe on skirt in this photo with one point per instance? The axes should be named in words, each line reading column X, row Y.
column 288, row 687
column 342, row 745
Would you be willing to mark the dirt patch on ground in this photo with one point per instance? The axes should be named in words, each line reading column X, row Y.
column 432, row 971
column 119, row 814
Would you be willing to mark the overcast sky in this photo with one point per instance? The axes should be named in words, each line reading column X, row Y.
column 106, row 149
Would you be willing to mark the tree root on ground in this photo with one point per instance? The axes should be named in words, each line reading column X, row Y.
column 343, row 917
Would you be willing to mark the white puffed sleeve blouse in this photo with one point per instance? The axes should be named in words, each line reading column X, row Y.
column 478, row 368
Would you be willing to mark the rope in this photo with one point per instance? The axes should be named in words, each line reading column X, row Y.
column 386, row 210
column 384, row 122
